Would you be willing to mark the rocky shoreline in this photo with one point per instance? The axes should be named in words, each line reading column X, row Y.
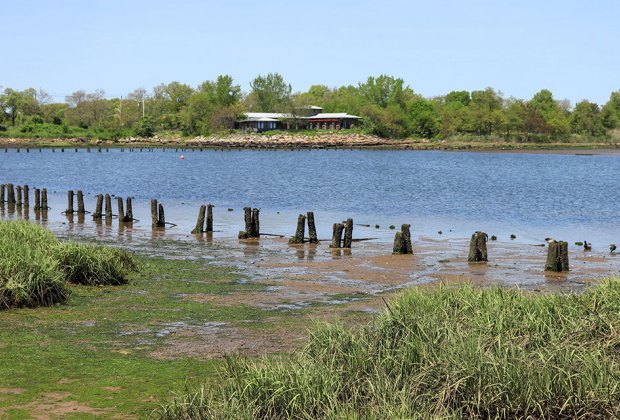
column 300, row 141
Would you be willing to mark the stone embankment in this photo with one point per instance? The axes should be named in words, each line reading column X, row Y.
column 278, row 141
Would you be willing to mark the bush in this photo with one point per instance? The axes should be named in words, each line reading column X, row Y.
column 450, row 353
column 35, row 267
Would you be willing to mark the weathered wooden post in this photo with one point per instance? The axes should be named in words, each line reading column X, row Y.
column 10, row 192
column 121, row 210
column 98, row 207
column 247, row 217
column 348, row 234
column 478, row 247
column 69, row 202
column 129, row 213
column 402, row 241
column 300, row 232
column 154, row 218
column 210, row 218
column 19, row 195
column 26, row 196
column 313, row 239
column 337, row 235
column 108, row 207
column 80, row 202
column 44, row 206
column 161, row 222
column 2, row 189
column 255, row 223
column 557, row 257
column 200, row 221
column 37, row 199
column 399, row 246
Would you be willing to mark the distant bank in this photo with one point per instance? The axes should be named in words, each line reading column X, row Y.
column 310, row 141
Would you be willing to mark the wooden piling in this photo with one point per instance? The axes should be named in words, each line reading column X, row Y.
column 154, row 218
column 247, row 218
column 80, row 202
column 348, row 234
column 19, row 195
column 337, row 235
column 200, row 221
column 44, row 206
column 98, row 207
column 2, row 189
column 406, row 234
column 210, row 218
column 108, row 207
column 37, row 199
column 70, row 195
column 300, row 231
column 121, row 210
column 557, row 257
column 26, row 195
column 10, row 194
column 399, row 247
column 255, row 223
column 161, row 221
column 129, row 213
column 478, row 247
column 313, row 239
column 402, row 241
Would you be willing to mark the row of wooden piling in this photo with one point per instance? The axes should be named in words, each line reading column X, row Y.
column 557, row 256
column 20, row 196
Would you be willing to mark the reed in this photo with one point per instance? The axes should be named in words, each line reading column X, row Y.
column 459, row 352
column 95, row 265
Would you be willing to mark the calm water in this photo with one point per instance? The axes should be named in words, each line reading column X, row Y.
column 568, row 196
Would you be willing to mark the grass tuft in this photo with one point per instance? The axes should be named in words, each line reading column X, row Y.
column 449, row 353
column 35, row 266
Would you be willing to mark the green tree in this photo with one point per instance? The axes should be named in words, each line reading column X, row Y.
column 484, row 111
column 270, row 93
column 423, row 119
column 556, row 121
column 586, row 118
column 221, row 92
column 384, row 91
column 611, row 111
column 14, row 103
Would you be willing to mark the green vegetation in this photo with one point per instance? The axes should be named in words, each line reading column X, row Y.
column 388, row 106
column 106, row 351
column 35, row 266
column 449, row 353
column 29, row 271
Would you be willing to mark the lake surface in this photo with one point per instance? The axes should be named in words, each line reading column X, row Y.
column 568, row 196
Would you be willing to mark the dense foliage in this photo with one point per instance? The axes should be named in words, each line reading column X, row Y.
column 389, row 109
column 449, row 353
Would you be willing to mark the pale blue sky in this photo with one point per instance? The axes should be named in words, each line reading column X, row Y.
column 518, row 47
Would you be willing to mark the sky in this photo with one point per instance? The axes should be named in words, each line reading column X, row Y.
column 517, row 47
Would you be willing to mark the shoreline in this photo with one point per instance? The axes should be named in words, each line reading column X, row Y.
column 312, row 142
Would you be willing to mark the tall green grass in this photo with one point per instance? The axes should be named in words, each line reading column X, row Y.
column 449, row 353
column 35, row 267
column 29, row 272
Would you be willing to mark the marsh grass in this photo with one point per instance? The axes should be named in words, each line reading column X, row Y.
column 35, row 266
column 95, row 265
column 449, row 353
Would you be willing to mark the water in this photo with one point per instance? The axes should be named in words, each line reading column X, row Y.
column 567, row 196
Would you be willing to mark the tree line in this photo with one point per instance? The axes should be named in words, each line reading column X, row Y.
column 388, row 106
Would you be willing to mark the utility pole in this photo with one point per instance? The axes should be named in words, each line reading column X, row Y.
column 120, row 111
